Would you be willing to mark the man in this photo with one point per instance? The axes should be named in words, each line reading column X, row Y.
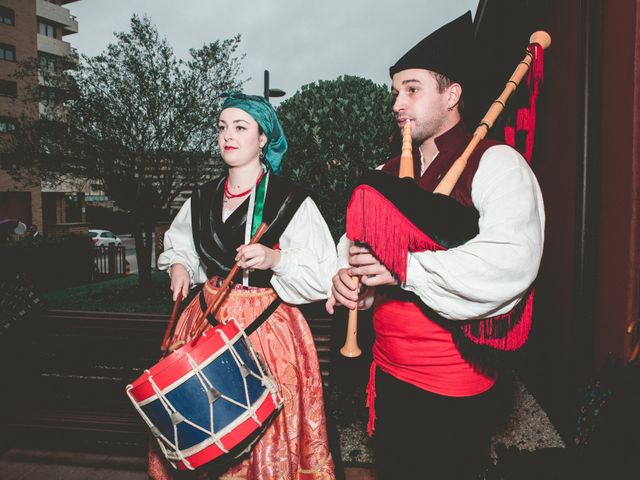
column 32, row 231
column 430, row 400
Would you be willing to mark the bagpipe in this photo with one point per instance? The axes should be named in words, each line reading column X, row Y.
column 210, row 397
column 394, row 216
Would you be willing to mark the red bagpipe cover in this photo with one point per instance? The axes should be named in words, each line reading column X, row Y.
column 394, row 216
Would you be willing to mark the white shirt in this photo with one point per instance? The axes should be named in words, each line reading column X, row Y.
column 307, row 254
column 490, row 273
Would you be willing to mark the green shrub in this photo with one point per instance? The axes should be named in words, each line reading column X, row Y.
column 337, row 130
column 50, row 262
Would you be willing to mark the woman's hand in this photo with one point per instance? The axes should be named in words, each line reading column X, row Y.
column 257, row 257
column 180, row 280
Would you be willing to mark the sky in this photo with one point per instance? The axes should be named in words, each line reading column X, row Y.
column 298, row 41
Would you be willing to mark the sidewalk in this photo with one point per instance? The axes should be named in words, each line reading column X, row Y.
column 18, row 464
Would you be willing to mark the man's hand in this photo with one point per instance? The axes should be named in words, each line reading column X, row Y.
column 372, row 273
column 257, row 257
column 343, row 291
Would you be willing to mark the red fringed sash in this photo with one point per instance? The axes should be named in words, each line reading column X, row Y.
column 372, row 219
column 506, row 332
column 375, row 221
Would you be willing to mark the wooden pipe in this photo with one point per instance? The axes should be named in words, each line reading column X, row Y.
column 448, row 182
column 351, row 348
column 406, row 159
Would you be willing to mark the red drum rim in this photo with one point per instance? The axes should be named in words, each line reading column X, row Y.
column 240, row 433
column 175, row 367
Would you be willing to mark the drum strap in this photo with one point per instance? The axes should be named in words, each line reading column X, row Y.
column 263, row 316
column 256, row 323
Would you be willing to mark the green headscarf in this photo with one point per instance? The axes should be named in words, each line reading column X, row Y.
column 263, row 113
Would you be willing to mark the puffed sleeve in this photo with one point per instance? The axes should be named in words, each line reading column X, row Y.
column 308, row 257
column 489, row 274
column 179, row 246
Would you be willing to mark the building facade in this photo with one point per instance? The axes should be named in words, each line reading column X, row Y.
column 31, row 29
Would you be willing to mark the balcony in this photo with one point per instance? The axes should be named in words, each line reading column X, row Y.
column 57, row 14
column 53, row 46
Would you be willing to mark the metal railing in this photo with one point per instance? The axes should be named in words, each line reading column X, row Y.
column 109, row 260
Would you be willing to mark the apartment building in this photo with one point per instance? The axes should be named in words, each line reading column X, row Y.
column 31, row 29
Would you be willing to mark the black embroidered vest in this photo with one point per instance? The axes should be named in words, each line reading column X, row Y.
column 216, row 241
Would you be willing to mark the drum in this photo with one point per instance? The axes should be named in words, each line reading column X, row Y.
column 208, row 400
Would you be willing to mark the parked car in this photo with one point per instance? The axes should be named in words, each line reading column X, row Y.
column 104, row 238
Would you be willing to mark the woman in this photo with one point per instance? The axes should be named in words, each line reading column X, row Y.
column 294, row 261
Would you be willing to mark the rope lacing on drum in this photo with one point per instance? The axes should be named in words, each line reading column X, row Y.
column 244, row 373
column 155, row 431
column 212, row 394
column 176, row 418
column 265, row 380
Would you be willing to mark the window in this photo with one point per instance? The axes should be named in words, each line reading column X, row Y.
column 7, row 52
column 48, row 96
column 47, row 63
column 7, row 125
column 46, row 29
column 7, row 16
column 8, row 88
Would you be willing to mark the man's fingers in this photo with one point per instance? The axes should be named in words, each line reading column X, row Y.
column 345, row 278
column 376, row 280
column 356, row 249
column 342, row 300
column 363, row 259
column 368, row 270
column 344, row 290
column 330, row 304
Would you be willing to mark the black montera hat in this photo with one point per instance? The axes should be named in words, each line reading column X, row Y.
column 448, row 51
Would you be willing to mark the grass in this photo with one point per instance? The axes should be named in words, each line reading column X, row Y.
column 117, row 295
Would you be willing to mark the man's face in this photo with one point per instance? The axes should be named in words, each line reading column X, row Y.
column 417, row 99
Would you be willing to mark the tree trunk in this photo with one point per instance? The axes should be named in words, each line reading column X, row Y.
column 144, row 246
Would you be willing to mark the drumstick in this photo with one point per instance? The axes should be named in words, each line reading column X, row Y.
column 202, row 323
column 172, row 322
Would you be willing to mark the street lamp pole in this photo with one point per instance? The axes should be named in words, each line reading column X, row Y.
column 266, row 84
column 271, row 92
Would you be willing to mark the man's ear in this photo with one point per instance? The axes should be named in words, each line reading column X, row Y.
column 455, row 94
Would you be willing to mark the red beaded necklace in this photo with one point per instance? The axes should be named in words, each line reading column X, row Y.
column 228, row 194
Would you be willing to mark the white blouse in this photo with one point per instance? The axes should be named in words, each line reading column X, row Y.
column 307, row 254
column 490, row 273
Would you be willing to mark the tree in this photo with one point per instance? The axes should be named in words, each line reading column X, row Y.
column 336, row 131
column 138, row 120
